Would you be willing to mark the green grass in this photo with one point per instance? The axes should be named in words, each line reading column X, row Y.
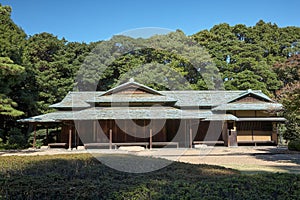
column 81, row 176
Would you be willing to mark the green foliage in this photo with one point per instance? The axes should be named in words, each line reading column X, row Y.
column 292, row 131
column 289, row 72
column 83, row 177
column 157, row 76
column 12, row 37
column 10, row 75
column 123, row 56
column 12, row 72
column 52, row 65
column 41, row 136
column 294, row 145
column 245, row 55
column 15, row 139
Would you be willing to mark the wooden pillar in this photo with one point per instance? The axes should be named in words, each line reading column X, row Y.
column 34, row 136
column 124, row 123
column 110, row 138
column 185, row 134
column 232, row 136
column 70, row 137
column 77, row 135
column 275, row 134
column 191, row 135
column 144, row 129
column 150, row 138
column 47, row 135
column 225, row 134
column 94, row 131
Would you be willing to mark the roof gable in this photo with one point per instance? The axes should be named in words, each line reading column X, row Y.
column 251, row 96
column 131, row 87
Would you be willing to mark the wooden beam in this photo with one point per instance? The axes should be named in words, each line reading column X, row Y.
column 110, row 138
column 150, row 138
column 70, row 137
column 34, row 136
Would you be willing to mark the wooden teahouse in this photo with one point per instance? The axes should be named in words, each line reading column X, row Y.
column 134, row 114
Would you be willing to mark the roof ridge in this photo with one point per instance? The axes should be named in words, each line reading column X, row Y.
column 132, row 82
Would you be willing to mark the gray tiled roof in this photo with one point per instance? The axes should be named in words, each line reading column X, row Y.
column 106, row 113
column 49, row 117
column 202, row 98
column 76, row 100
column 188, row 98
column 137, row 113
column 125, row 98
column 185, row 104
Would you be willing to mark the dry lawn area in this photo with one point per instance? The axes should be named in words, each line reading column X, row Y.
column 245, row 159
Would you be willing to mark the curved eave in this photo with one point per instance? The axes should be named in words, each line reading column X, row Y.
column 267, row 119
column 54, row 117
column 221, row 117
column 248, row 106
column 111, row 113
column 62, row 106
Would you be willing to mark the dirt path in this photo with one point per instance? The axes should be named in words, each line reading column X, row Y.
column 245, row 159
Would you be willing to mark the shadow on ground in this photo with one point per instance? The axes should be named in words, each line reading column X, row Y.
column 80, row 176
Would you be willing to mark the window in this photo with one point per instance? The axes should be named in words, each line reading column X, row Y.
column 254, row 125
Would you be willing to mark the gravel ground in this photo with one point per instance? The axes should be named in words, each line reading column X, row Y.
column 245, row 159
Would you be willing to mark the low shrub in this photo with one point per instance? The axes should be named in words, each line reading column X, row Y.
column 15, row 139
column 294, row 145
column 80, row 176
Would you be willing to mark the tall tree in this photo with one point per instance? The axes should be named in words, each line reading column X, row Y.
column 241, row 49
column 12, row 37
column 10, row 75
column 110, row 60
column 289, row 72
column 52, row 63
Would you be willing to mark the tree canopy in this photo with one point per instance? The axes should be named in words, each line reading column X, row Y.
column 10, row 75
column 245, row 55
column 110, row 60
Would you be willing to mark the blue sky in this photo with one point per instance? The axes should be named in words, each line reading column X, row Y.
column 94, row 20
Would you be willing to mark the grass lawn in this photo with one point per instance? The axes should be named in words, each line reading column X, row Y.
column 81, row 176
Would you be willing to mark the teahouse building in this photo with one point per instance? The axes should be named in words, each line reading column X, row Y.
column 134, row 114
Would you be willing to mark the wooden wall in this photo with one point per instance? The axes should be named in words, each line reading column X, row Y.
column 138, row 131
column 122, row 131
column 169, row 130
